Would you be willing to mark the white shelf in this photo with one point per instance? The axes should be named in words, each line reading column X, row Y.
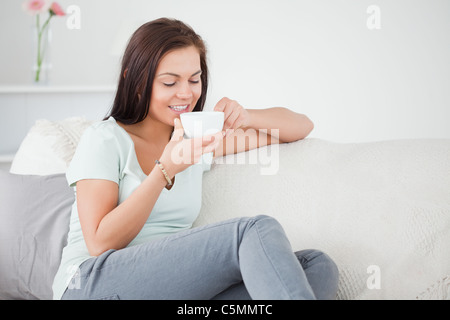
column 56, row 89
column 6, row 158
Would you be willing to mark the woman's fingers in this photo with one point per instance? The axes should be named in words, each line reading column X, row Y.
column 235, row 116
column 178, row 130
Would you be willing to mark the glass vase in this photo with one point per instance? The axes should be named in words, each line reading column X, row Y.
column 41, row 54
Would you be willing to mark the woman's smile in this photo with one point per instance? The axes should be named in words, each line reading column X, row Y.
column 178, row 109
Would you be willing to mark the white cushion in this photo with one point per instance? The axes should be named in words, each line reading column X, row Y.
column 49, row 146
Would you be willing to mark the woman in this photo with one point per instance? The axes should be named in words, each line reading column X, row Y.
column 130, row 232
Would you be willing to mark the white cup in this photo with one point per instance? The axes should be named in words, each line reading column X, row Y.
column 199, row 124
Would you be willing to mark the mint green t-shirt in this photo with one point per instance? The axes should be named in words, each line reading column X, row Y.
column 107, row 152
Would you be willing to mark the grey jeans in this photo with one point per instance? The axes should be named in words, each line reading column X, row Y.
column 242, row 258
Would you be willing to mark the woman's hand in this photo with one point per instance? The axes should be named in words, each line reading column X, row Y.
column 260, row 127
column 181, row 153
column 235, row 115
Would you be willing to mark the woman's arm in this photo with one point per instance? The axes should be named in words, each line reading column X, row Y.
column 252, row 128
column 107, row 225
column 290, row 125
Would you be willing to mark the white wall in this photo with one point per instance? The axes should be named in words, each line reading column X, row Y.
column 315, row 57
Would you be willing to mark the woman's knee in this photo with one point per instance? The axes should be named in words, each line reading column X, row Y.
column 266, row 229
column 321, row 271
column 262, row 218
column 311, row 257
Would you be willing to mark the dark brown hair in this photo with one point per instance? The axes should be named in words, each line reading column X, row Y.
column 145, row 49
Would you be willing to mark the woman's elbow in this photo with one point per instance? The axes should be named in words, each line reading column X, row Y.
column 96, row 248
column 305, row 126
column 309, row 126
column 95, row 251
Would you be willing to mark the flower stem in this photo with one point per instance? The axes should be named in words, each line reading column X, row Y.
column 38, row 71
column 40, row 53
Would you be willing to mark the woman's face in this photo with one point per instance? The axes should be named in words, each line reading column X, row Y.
column 177, row 85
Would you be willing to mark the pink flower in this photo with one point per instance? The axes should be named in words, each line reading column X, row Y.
column 34, row 7
column 56, row 9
